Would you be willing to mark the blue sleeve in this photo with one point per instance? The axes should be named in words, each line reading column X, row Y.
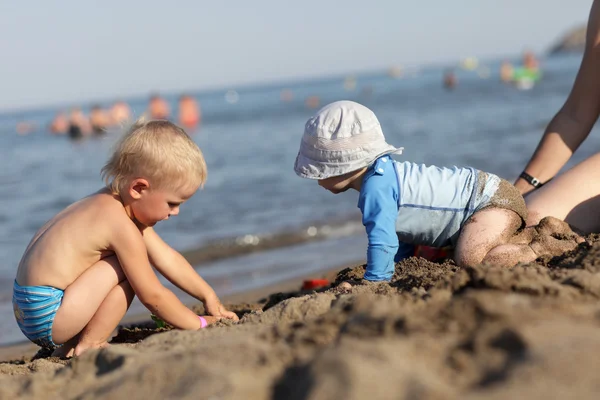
column 379, row 205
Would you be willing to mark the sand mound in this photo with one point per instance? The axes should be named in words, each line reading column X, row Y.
column 435, row 332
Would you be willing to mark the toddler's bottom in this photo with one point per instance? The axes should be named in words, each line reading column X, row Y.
column 35, row 308
column 499, row 193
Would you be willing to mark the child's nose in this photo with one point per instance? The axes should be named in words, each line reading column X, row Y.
column 174, row 211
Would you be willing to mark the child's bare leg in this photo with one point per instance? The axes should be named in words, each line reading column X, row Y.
column 67, row 349
column 103, row 323
column 524, row 236
column 552, row 237
column 485, row 230
column 508, row 255
column 83, row 298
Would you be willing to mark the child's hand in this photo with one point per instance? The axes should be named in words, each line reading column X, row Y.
column 210, row 320
column 217, row 309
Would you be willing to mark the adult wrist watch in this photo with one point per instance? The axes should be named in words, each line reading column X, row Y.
column 533, row 181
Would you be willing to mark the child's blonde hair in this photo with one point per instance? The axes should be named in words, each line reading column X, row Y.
column 159, row 151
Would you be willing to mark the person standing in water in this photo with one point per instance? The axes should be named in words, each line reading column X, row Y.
column 120, row 113
column 189, row 112
column 99, row 120
column 158, row 108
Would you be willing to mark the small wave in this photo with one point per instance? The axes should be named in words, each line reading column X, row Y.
column 252, row 243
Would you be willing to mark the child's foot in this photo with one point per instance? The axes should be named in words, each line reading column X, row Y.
column 67, row 350
column 546, row 245
column 525, row 236
column 558, row 229
column 83, row 347
column 64, row 351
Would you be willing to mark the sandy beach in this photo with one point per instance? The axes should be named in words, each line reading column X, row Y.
column 435, row 332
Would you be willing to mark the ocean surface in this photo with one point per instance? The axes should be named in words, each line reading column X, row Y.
column 250, row 138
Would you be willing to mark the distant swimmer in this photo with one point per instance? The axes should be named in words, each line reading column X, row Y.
column 120, row 113
column 367, row 91
column 528, row 74
column 99, row 120
column 60, row 124
column 189, row 112
column 79, row 125
column 312, row 102
column 25, row 127
column 506, row 71
column 530, row 62
column 158, row 108
column 286, row 95
column 450, row 80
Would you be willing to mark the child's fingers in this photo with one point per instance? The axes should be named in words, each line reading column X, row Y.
column 231, row 315
column 210, row 319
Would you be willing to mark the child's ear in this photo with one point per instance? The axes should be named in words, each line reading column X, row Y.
column 137, row 187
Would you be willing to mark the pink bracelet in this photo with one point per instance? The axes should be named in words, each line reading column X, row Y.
column 203, row 322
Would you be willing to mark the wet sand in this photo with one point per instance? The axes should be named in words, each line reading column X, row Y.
column 435, row 332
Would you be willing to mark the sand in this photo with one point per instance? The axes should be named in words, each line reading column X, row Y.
column 435, row 332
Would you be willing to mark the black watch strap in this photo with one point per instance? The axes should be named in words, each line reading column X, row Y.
column 535, row 182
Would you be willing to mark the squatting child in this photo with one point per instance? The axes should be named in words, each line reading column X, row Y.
column 478, row 214
column 82, row 269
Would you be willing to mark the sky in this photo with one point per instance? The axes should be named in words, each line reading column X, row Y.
column 71, row 51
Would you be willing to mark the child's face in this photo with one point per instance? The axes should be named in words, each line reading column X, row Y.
column 155, row 205
column 339, row 184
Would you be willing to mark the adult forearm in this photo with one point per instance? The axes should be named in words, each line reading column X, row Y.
column 556, row 147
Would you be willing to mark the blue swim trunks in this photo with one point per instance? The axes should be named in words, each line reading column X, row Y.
column 35, row 308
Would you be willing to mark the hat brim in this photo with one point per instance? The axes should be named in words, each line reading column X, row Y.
column 312, row 169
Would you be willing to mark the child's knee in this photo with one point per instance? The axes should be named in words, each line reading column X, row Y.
column 114, row 263
column 515, row 222
column 533, row 218
column 129, row 292
column 468, row 257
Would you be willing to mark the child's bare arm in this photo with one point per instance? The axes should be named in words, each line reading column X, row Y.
column 173, row 266
column 128, row 245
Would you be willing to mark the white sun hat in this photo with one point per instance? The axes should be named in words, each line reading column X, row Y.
column 341, row 137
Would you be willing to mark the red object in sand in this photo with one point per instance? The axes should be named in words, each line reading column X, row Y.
column 431, row 253
column 314, row 284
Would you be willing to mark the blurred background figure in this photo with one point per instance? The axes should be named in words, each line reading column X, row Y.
column 286, row 95
column 60, row 124
column 100, row 120
column 366, row 91
column 158, row 108
column 528, row 74
column 189, row 112
column 312, row 102
column 506, row 71
column 530, row 62
column 25, row 127
column 120, row 113
column 450, row 80
column 79, row 124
